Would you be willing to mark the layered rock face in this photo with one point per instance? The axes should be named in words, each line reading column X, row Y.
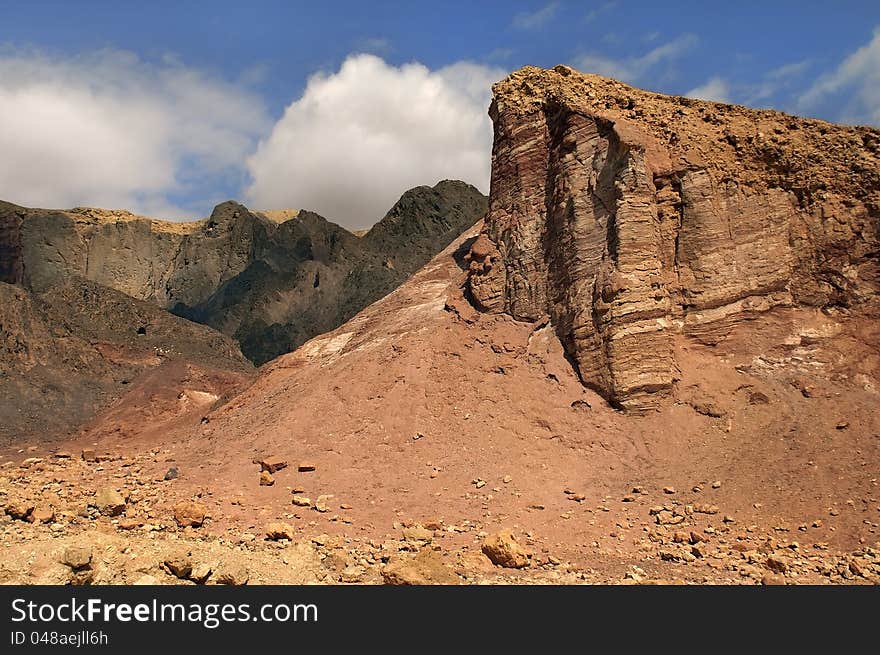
column 271, row 280
column 626, row 217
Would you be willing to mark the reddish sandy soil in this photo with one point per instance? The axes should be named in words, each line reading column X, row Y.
column 422, row 410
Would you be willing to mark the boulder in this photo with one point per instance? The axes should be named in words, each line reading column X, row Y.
column 503, row 549
column 109, row 502
column 190, row 513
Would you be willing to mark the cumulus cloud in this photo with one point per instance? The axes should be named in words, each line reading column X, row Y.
column 856, row 81
column 111, row 130
column 529, row 20
column 359, row 137
column 634, row 69
column 715, row 88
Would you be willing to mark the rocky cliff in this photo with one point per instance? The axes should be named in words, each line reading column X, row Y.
column 271, row 280
column 626, row 218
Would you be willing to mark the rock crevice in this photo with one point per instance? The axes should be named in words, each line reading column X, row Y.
column 627, row 217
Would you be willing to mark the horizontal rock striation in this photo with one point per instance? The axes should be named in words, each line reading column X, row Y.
column 626, row 217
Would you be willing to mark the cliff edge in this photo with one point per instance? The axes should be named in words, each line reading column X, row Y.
column 624, row 217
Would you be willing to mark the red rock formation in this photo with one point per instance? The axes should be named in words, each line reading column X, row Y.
column 627, row 217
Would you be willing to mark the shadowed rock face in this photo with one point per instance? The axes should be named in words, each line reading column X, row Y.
column 626, row 217
column 11, row 265
column 270, row 280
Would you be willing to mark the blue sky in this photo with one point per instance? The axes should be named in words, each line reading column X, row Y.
column 170, row 107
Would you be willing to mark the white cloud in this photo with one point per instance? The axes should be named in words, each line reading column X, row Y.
column 634, row 69
column 856, row 82
column 787, row 71
column 110, row 130
column 715, row 89
column 375, row 45
column 529, row 20
column 359, row 137
column 598, row 11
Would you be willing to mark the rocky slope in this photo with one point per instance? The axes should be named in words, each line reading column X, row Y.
column 423, row 435
column 71, row 351
column 270, row 280
column 626, row 217
column 426, row 440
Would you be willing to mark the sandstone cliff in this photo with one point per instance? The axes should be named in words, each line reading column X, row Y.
column 626, row 217
column 271, row 280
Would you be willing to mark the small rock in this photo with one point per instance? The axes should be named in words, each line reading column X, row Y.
column 841, row 425
column 707, row 407
column 266, row 479
column 321, row 503
column 19, row 510
column 278, row 530
column 669, row 490
column 89, row 455
column 179, row 566
column 507, row 479
column 504, row 550
column 716, row 484
column 776, row 564
column 773, row 579
column 418, row 534
column 305, row 467
column 352, row 574
column 171, row 474
column 77, row 557
column 668, row 518
column 232, row 574
column 302, row 501
column 128, row 524
column 189, row 513
column 200, row 573
column 425, row 568
column 856, row 568
column 41, row 515
column 109, row 502
column 272, row 464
